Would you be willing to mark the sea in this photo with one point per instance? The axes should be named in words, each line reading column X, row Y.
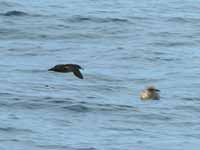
column 123, row 46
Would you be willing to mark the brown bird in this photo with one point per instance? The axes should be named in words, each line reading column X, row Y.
column 150, row 93
column 68, row 68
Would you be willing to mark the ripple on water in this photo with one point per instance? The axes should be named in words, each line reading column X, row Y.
column 191, row 99
column 19, row 13
column 15, row 13
column 15, row 130
column 169, row 44
column 78, row 19
column 96, row 107
column 63, row 147
column 78, row 108
column 184, row 20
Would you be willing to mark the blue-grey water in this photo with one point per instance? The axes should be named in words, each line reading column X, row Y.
column 123, row 46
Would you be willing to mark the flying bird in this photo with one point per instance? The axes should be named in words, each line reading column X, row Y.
column 64, row 68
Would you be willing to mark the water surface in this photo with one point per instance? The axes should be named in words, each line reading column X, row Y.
column 123, row 46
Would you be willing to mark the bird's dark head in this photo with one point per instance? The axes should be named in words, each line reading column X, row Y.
column 152, row 89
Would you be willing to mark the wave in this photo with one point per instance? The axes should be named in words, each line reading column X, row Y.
column 15, row 13
column 178, row 19
column 12, row 129
column 64, row 147
column 96, row 107
column 191, row 98
column 173, row 44
column 76, row 19
column 183, row 19
column 77, row 108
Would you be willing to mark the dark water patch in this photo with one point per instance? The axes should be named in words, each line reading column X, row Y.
column 162, row 59
column 96, row 107
column 15, row 130
column 177, row 19
column 160, row 53
column 140, row 18
column 63, row 26
column 114, row 107
column 63, row 147
column 191, row 99
column 54, row 147
column 193, row 135
column 128, row 58
column 108, row 107
column 152, row 117
column 90, row 148
column 6, row 94
column 13, row 116
column 61, row 101
column 8, row 31
column 36, row 102
column 164, row 34
column 173, row 44
column 15, row 13
column 29, row 105
column 7, row 140
column 184, row 124
column 183, row 20
column 91, row 97
column 78, row 108
column 146, row 80
column 78, row 19
column 123, row 129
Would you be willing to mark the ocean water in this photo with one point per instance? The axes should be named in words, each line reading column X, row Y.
column 123, row 46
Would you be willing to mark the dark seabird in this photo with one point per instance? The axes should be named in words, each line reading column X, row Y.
column 68, row 68
column 150, row 93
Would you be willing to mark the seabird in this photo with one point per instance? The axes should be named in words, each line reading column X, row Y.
column 68, row 68
column 150, row 93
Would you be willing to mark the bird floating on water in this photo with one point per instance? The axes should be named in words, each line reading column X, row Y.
column 150, row 93
column 64, row 68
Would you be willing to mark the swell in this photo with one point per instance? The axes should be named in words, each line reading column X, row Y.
column 79, row 19
column 18, row 13
column 97, row 107
column 14, row 13
column 15, row 130
column 173, row 44
column 63, row 104
column 183, row 19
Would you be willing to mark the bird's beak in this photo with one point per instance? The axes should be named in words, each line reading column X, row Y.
column 157, row 90
column 50, row 69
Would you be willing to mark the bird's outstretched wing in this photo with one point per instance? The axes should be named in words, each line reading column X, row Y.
column 78, row 73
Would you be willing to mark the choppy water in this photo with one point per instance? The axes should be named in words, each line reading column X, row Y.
column 122, row 46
